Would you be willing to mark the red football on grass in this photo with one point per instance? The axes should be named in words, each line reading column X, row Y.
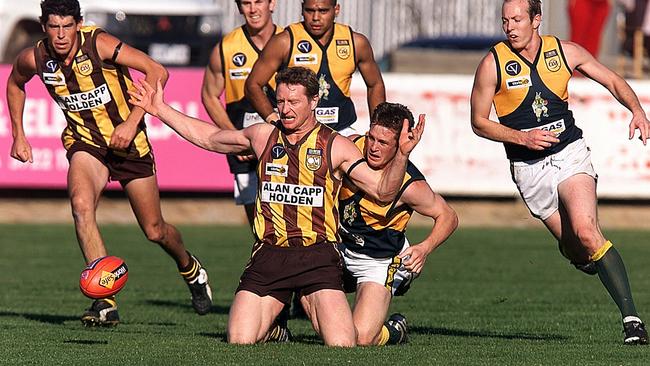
column 103, row 277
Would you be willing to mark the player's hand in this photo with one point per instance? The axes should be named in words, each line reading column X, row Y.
column 122, row 136
column 245, row 158
column 540, row 139
column 145, row 97
column 640, row 121
column 414, row 257
column 21, row 150
column 408, row 138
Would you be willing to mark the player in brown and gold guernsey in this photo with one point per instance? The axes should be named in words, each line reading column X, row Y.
column 85, row 70
column 526, row 78
column 301, row 166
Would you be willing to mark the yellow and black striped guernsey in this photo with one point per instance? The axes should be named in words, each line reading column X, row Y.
column 238, row 55
column 297, row 197
column 91, row 93
column 534, row 95
column 334, row 63
column 370, row 228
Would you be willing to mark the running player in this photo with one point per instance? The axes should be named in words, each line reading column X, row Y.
column 526, row 78
column 85, row 70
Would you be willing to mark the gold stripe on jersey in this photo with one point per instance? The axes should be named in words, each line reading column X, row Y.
column 340, row 54
column 91, row 93
column 297, row 201
column 515, row 74
column 238, row 55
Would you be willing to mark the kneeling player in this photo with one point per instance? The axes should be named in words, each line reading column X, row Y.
column 379, row 261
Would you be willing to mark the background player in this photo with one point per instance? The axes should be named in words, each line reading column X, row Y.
column 230, row 63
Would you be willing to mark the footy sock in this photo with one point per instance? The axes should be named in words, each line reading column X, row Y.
column 384, row 336
column 611, row 272
column 395, row 334
column 191, row 271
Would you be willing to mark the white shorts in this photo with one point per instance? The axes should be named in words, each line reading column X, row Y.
column 537, row 180
column 245, row 188
column 388, row 272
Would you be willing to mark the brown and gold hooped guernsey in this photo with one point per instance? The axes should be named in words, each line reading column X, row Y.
column 334, row 63
column 297, row 197
column 534, row 95
column 91, row 93
column 371, row 228
column 238, row 55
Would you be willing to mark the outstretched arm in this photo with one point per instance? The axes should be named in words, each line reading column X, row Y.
column 382, row 185
column 23, row 70
column 581, row 60
column 370, row 72
column 485, row 84
column 419, row 196
column 196, row 131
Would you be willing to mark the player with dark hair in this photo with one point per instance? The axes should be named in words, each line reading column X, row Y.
column 85, row 70
column 333, row 51
column 526, row 78
column 379, row 261
column 230, row 63
column 301, row 164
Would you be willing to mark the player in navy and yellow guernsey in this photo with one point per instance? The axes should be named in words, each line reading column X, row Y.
column 85, row 70
column 379, row 261
column 526, row 78
column 301, row 165
column 333, row 51
column 230, row 64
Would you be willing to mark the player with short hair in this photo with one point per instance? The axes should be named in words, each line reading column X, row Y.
column 379, row 261
column 85, row 70
column 301, row 164
column 526, row 77
column 333, row 51
column 230, row 63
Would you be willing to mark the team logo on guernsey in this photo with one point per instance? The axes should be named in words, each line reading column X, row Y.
column 552, row 60
column 314, row 159
column 323, row 88
column 513, row 67
column 556, row 127
column 540, row 106
column 343, row 48
column 304, row 46
column 51, row 65
column 239, row 59
column 85, row 68
column 53, row 78
column 278, row 151
column 349, row 213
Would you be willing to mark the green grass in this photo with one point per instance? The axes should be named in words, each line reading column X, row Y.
column 487, row 297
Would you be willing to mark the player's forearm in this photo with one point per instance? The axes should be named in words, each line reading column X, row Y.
column 392, row 178
column 257, row 98
column 376, row 96
column 191, row 129
column 16, row 102
column 445, row 224
column 217, row 113
column 495, row 131
column 622, row 91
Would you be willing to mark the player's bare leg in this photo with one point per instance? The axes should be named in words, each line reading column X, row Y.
column 331, row 317
column 145, row 202
column 251, row 317
column 369, row 313
column 87, row 178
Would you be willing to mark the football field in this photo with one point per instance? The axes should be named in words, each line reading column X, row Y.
column 486, row 297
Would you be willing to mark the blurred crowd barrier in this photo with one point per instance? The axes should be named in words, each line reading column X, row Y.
column 454, row 160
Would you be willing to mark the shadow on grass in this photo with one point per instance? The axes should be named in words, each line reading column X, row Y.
column 42, row 318
column 306, row 339
column 215, row 309
column 84, row 341
column 486, row 334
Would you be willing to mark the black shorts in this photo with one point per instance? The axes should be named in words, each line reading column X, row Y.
column 280, row 271
column 121, row 168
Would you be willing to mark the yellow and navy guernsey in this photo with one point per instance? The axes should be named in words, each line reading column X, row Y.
column 91, row 93
column 534, row 96
column 238, row 55
column 334, row 64
column 370, row 228
column 297, row 197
